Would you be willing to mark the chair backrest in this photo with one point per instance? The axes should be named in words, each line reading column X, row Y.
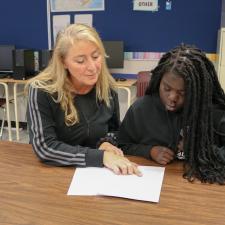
column 143, row 78
column 2, row 102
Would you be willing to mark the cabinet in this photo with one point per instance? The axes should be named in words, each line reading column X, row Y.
column 221, row 57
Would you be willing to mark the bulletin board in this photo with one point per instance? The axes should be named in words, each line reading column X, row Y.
column 24, row 23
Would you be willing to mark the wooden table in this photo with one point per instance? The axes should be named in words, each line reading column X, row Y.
column 34, row 193
column 126, row 83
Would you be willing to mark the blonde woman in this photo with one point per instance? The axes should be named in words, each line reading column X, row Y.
column 73, row 110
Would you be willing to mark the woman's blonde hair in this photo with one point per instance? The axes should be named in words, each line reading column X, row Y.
column 54, row 79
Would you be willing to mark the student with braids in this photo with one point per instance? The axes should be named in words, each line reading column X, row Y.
column 182, row 115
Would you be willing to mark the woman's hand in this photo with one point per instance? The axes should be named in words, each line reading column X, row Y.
column 106, row 146
column 161, row 154
column 119, row 164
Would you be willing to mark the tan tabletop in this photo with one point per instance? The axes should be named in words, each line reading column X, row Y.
column 126, row 83
column 10, row 80
column 34, row 193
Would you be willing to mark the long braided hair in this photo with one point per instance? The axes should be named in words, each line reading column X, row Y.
column 202, row 92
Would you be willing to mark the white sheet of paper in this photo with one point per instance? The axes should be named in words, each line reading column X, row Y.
column 59, row 23
column 102, row 181
column 84, row 19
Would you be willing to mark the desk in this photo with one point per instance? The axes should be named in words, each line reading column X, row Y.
column 5, row 82
column 34, row 193
column 125, row 85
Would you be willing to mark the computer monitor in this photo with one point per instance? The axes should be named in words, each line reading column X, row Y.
column 6, row 59
column 115, row 51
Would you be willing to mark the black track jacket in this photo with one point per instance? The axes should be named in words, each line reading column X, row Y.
column 58, row 144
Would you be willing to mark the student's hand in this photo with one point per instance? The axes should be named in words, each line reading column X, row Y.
column 180, row 146
column 161, row 154
column 106, row 146
column 180, row 150
column 119, row 164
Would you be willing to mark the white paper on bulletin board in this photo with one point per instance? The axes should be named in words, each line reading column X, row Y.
column 77, row 5
column 146, row 5
column 59, row 23
column 84, row 19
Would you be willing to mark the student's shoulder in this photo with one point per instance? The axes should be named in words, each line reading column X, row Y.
column 143, row 103
column 145, row 99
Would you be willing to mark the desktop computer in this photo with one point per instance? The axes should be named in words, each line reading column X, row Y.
column 6, row 60
column 115, row 52
column 45, row 56
column 25, row 63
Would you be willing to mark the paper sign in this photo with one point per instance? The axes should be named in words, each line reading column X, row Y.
column 84, row 19
column 146, row 5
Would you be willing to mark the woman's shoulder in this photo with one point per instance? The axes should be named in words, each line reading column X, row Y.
column 40, row 93
column 38, row 90
column 113, row 92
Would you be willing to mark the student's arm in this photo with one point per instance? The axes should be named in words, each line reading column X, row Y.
column 161, row 154
column 129, row 141
column 128, row 137
column 43, row 136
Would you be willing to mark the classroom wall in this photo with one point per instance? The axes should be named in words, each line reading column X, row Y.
column 25, row 24
column 223, row 14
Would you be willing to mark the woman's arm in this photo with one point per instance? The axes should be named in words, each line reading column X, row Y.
column 109, row 142
column 43, row 136
column 114, row 121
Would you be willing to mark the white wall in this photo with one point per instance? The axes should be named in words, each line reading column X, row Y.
column 135, row 66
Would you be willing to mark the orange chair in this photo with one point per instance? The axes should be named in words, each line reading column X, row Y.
column 143, row 79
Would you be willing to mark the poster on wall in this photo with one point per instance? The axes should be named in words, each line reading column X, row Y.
column 59, row 23
column 77, row 5
column 146, row 5
column 84, row 19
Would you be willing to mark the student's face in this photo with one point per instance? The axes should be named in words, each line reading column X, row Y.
column 172, row 91
column 84, row 62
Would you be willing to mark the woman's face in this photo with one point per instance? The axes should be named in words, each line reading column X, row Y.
column 84, row 63
column 172, row 91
